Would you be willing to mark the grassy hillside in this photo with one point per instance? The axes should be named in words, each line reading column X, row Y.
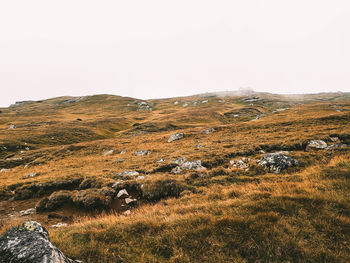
column 77, row 149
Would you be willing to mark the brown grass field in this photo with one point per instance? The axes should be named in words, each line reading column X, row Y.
column 220, row 214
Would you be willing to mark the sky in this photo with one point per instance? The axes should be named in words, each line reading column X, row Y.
column 162, row 48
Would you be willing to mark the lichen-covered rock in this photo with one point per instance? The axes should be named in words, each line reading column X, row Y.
column 276, row 162
column 29, row 243
column 176, row 136
column 316, row 145
column 193, row 165
column 190, row 166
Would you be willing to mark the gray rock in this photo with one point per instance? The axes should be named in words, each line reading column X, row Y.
column 176, row 136
column 130, row 201
column 142, row 153
column 27, row 212
column 180, row 160
column 30, row 243
column 193, row 165
column 58, row 225
column 122, row 194
column 176, row 170
column 316, row 145
column 12, row 127
column 3, row 170
column 108, row 153
column 276, row 162
column 208, row 131
column 129, row 173
column 336, row 146
column 144, row 106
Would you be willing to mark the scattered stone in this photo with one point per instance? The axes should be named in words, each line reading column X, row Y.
column 176, row 102
column 12, row 127
column 261, row 151
column 241, row 164
column 208, row 131
column 129, row 173
column 336, row 146
column 176, row 136
column 144, row 106
column 334, row 139
column 142, row 153
column 130, row 201
column 276, row 162
column 316, row 145
column 161, row 160
column 127, row 212
column 185, row 105
column 122, row 194
column 141, row 177
column 122, row 152
column 4, row 170
column 195, row 103
column 29, row 243
column 252, row 99
column 176, row 170
column 108, row 153
column 58, row 225
column 180, row 160
column 27, row 212
column 204, row 101
column 193, row 165
column 31, row 175
column 120, row 160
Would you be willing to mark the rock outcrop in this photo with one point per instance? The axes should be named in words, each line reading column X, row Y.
column 30, row 243
column 276, row 162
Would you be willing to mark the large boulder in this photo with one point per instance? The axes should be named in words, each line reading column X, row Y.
column 316, row 145
column 277, row 162
column 30, row 243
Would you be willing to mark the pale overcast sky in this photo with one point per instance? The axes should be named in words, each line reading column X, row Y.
column 149, row 49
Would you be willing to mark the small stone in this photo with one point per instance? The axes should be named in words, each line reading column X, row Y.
column 130, row 201
column 141, row 177
column 316, row 145
column 3, row 170
column 108, row 153
column 208, row 131
column 176, row 136
column 129, row 173
column 12, row 127
column 127, row 212
column 142, row 153
column 123, row 152
column 161, row 160
column 58, row 225
column 27, row 212
column 180, row 160
column 122, row 194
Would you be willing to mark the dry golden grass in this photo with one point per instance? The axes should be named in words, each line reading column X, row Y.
column 228, row 214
